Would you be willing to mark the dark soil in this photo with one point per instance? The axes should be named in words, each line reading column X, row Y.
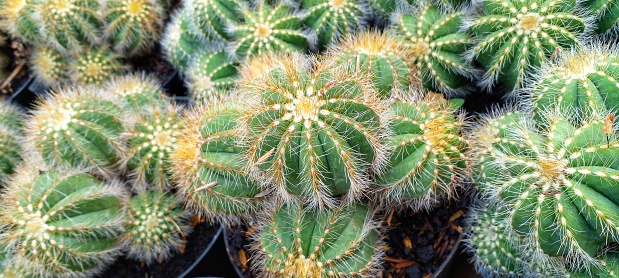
column 199, row 240
column 418, row 243
column 237, row 243
column 18, row 74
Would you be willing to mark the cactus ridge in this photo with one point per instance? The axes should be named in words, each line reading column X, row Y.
column 133, row 25
column 49, row 66
column 435, row 43
column 516, row 37
column 212, row 74
column 314, row 133
column 333, row 19
column 96, row 65
column 179, row 42
column 212, row 18
column 296, row 242
column 18, row 18
column 61, row 222
column 208, row 167
column 156, row 228
column 68, row 25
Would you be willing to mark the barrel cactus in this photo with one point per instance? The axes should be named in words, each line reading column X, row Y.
column 61, row 223
column 208, row 166
column 558, row 182
column 427, row 160
column 313, row 133
column 77, row 127
column 136, row 93
column 333, row 19
column 375, row 54
column 18, row 19
column 50, row 67
column 213, row 18
column 96, row 65
column 435, row 43
column 11, row 136
column 69, row 25
column 296, row 242
column 211, row 75
column 133, row 25
column 156, row 227
column 605, row 13
column 269, row 29
column 515, row 37
column 180, row 42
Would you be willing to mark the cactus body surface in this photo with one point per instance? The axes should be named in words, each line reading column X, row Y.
column 11, row 137
column 212, row 18
column 133, row 25
column 333, row 19
column 180, row 43
column 136, row 92
column 69, row 25
column 18, row 19
column 212, row 75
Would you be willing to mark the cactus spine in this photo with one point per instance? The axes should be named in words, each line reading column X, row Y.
column 333, row 19
column 70, row 24
column 211, row 75
column 135, row 92
column 133, row 25
column 96, row 65
column 605, row 13
column 49, row 66
column 213, row 17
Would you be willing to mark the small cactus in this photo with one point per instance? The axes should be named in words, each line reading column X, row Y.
column 61, row 223
column 333, row 19
column 18, row 19
column 180, row 43
column 313, row 132
column 156, row 227
column 427, row 160
column 208, row 167
column 605, row 13
column 435, row 44
column 515, row 37
column 211, row 75
column 69, row 25
column 11, row 137
column 135, row 92
column 77, row 127
column 375, row 54
column 269, row 29
column 96, row 65
column 296, row 242
column 50, row 67
column 213, row 17
column 133, row 25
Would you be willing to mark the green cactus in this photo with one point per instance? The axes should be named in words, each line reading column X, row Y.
column 61, row 223
column 314, row 133
column 585, row 79
column 208, row 167
column 18, row 18
column 296, row 242
column 135, row 92
column 435, row 44
column 385, row 8
column 333, row 19
column 133, row 25
column 269, row 29
column 211, row 75
column 11, row 138
column 558, row 182
column 179, row 42
column 213, row 17
column 428, row 158
column 606, row 14
column 69, row 25
column 515, row 37
column 50, row 67
column 150, row 139
column 376, row 54
column 96, row 65
column 156, row 227
column 77, row 127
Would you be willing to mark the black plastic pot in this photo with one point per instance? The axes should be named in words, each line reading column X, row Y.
column 21, row 96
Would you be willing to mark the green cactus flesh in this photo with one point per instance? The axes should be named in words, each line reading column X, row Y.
column 96, row 65
column 156, row 228
column 213, row 17
column 62, row 223
column 77, row 128
column 49, row 66
column 606, row 13
column 515, row 37
column 314, row 133
column 11, row 137
column 269, row 29
column 212, row 75
column 609, row 268
column 180, row 43
column 435, row 44
column 208, row 167
column 18, row 19
column 559, row 183
column 384, row 8
column 332, row 19
column 133, row 25
column 427, row 158
column 296, row 242
column 71, row 24
column 136, row 93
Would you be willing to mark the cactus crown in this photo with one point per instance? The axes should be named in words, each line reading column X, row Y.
column 17, row 18
column 70, row 24
column 49, row 66
column 96, row 65
column 133, row 25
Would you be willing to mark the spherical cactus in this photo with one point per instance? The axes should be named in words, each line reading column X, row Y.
column 208, row 165
column 69, row 25
column 96, row 65
column 151, row 137
column 50, row 67
column 62, row 223
column 428, row 158
column 77, row 127
column 377, row 55
column 135, row 92
column 211, row 75
column 558, row 183
column 313, row 132
column 269, row 29
column 213, row 17
column 332, row 19
column 515, row 37
column 586, row 79
column 156, row 227
column 133, row 25
column 605, row 13
column 180, row 43
column 18, row 19
column 296, row 242
column 435, row 44
column 11, row 137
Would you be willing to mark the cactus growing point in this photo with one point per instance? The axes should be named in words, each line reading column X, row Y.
column 96, row 65
column 133, row 25
column 49, row 66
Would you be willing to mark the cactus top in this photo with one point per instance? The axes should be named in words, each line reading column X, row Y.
column 333, row 19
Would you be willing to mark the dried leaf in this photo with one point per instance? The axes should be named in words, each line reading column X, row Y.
column 404, row 264
column 456, row 215
column 243, row 259
column 389, row 217
column 407, row 242
column 394, row 260
column 429, row 275
column 195, row 220
column 456, row 227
